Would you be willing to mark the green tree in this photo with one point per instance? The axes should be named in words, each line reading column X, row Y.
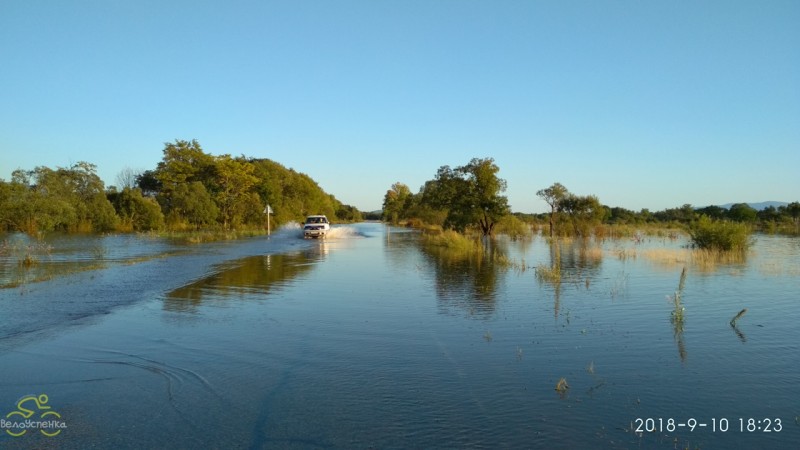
column 234, row 180
column 553, row 196
column 395, row 202
column 68, row 199
column 148, row 182
column 793, row 209
column 583, row 212
column 184, row 162
column 192, row 202
column 742, row 212
column 470, row 194
column 713, row 211
column 137, row 212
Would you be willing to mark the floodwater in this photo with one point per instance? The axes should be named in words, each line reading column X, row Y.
column 369, row 339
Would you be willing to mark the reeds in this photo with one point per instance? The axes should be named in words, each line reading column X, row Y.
column 548, row 274
column 677, row 314
column 552, row 273
column 703, row 259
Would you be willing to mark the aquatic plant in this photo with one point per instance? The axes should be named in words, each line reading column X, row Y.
column 513, row 227
column 620, row 284
column 549, row 274
column 552, row 273
column 677, row 314
column 720, row 235
column 452, row 240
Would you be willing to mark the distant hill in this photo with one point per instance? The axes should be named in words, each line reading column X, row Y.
column 758, row 206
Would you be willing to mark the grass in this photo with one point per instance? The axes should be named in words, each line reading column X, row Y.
column 624, row 254
column 562, row 386
column 551, row 273
column 27, row 255
column 677, row 315
column 452, row 240
column 513, row 227
column 202, row 236
column 702, row 259
column 620, row 284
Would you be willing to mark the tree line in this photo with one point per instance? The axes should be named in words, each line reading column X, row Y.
column 471, row 196
column 188, row 190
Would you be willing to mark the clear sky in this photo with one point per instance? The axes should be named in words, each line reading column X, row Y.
column 646, row 104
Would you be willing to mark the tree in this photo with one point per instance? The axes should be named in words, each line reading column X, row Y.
column 742, row 212
column 127, row 178
column 794, row 212
column 184, row 162
column 554, row 196
column 148, row 183
column 192, row 202
column 394, row 202
column 234, row 180
column 470, row 194
column 68, row 199
column 713, row 211
column 137, row 212
column 583, row 212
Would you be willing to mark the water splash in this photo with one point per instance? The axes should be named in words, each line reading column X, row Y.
column 344, row 232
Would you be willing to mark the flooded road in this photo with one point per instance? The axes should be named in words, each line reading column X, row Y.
column 370, row 339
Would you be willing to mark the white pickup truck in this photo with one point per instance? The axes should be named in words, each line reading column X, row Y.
column 316, row 226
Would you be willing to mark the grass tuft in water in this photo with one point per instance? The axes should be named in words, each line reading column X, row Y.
column 552, row 273
column 677, row 315
column 453, row 240
column 562, row 386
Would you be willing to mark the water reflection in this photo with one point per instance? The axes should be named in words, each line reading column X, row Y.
column 24, row 259
column 259, row 275
column 467, row 281
column 573, row 261
column 677, row 316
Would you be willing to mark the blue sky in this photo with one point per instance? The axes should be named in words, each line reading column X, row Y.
column 644, row 104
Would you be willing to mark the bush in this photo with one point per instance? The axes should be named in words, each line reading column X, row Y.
column 513, row 227
column 720, row 235
column 453, row 240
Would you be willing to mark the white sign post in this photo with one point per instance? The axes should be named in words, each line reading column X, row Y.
column 268, row 211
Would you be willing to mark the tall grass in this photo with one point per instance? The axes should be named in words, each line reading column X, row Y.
column 201, row 236
column 513, row 227
column 552, row 273
column 720, row 235
column 453, row 240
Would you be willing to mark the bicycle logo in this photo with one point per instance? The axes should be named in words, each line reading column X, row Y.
column 48, row 422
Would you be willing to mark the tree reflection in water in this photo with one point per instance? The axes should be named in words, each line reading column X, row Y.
column 254, row 276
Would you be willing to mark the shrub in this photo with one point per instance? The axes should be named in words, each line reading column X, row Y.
column 720, row 235
column 513, row 227
column 453, row 240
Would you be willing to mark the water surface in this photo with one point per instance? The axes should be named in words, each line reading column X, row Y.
column 370, row 339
